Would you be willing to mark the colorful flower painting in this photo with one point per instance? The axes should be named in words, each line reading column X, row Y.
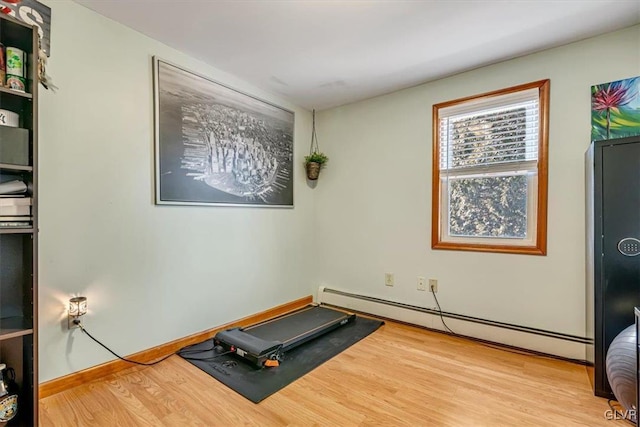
column 615, row 109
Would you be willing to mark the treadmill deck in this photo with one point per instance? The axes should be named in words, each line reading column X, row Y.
column 269, row 340
column 290, row 328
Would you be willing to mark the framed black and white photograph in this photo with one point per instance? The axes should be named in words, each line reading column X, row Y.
column 217, row 146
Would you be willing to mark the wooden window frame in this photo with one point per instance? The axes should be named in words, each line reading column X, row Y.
column 539, row 246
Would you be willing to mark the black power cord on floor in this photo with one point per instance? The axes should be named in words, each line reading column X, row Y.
column 206, row 359
column 440, row 311
column 184, row 353
column 118, row 356
column 496, row 347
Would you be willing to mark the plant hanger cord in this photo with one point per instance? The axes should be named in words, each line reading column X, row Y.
column 314, row 137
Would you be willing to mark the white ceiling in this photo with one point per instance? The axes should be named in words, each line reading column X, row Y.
column 325, row 53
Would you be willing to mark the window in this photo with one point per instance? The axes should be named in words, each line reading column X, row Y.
column 490, row 171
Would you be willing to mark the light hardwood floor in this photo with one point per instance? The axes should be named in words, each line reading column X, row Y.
column 399, row 375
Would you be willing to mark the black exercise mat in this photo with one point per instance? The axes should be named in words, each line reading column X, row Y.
column 257, row 384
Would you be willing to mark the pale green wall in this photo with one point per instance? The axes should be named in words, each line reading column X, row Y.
column 152, row 273
column 374, row 201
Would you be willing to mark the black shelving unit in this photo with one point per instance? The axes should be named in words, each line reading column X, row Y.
column 19, row 245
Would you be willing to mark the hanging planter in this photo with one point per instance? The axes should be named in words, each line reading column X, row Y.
column 316, row 160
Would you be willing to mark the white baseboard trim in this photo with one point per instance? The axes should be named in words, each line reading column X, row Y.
column 557, row 344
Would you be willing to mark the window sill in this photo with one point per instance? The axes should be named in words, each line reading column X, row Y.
column 504, row 249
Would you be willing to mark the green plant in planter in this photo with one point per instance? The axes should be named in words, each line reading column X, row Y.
column 316, row 157
column 314, row 162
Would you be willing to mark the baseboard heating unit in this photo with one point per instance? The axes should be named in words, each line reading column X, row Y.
column 538, row 340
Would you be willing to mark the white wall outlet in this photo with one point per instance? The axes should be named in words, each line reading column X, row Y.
column 422, row 283
column 388, row 279
column 433, row 285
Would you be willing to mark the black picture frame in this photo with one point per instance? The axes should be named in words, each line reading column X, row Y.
column 215, row 145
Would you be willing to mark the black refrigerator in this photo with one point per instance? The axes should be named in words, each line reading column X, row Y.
column 613, row 248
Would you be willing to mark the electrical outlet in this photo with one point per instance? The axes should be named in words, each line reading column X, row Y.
column 422, row 283
column 73, row 323
column 433, row 285
column 388, row 279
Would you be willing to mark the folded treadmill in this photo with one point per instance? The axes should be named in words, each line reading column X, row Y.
column 265, row 343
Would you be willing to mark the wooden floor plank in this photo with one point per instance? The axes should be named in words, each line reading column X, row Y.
column 400, row 375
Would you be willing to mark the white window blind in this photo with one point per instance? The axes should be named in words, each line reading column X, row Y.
column 498, row 133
